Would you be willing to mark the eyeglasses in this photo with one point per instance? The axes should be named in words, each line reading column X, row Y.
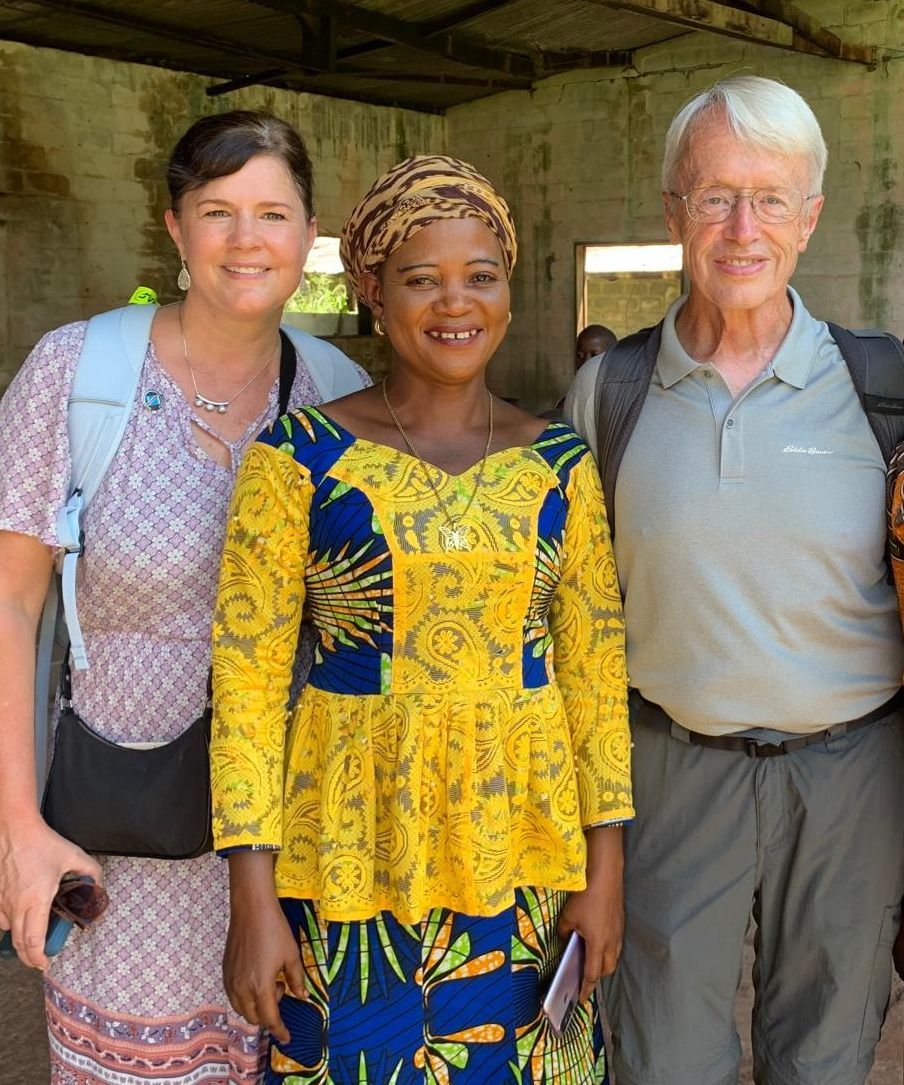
column 80, row 900
column 717, row 203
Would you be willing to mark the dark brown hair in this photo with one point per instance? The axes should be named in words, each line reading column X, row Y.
column 220, row 145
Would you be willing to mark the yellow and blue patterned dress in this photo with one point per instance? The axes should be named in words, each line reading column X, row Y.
column 464, row 721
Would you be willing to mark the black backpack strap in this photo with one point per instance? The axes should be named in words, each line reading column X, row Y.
column 288, row 362
column 621, row 387
column 875, row 361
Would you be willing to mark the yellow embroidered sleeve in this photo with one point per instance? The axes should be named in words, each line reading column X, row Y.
column 589, row 649
column 255, row 634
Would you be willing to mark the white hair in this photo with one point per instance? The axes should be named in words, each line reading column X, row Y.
column 762, row 112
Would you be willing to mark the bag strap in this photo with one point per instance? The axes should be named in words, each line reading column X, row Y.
column 622, row 382
column 100, row 402
column 288, row 366
column 875, row 360
column 332, row 372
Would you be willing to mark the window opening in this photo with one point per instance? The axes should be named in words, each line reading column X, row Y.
column 625, row 287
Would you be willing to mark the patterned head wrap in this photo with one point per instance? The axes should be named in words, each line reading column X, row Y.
column 412, row 195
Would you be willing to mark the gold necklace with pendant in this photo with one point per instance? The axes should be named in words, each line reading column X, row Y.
column 455, row 535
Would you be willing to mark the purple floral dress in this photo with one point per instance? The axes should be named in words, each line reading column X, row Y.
column 139, row 997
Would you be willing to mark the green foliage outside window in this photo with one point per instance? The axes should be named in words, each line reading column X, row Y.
column 321, row 293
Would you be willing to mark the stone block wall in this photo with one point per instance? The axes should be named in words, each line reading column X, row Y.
column 579, row 160
column 83, row 148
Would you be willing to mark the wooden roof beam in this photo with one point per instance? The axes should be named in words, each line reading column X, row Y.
column 448, row 44
column 499, row 82
column 719, row 18
column 813, row 31
column 164, row 31
column 439, row 26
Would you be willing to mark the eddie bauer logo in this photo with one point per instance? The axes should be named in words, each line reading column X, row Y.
column 808, row 451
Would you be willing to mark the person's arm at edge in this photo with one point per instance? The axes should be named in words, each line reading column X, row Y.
column 587, row 609
column 263, row 560
column 33, row 858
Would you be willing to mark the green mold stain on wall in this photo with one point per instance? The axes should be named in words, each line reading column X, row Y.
column 879, row 223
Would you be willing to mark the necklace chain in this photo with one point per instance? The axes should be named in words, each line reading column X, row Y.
column 220, row 406
column 455, row 535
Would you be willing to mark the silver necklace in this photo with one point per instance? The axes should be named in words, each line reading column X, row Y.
column 220, row 406
column 455, row 535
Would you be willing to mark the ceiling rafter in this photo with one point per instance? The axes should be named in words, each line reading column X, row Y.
column 165, row 31
column 813, row 31
column 436, row 37
column 769, row 26
column 449, row 44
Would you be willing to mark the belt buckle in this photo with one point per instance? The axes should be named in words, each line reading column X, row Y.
column 763, row 749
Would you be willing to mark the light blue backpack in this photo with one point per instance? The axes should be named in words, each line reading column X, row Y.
column 100, row 403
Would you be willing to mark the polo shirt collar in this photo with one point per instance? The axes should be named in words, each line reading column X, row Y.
column 792, row 363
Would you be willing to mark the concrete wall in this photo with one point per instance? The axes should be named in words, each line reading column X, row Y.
column 83, row 148
column 83, row 142
column 579, row 160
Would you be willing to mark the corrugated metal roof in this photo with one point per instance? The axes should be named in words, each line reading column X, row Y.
column 422, row 54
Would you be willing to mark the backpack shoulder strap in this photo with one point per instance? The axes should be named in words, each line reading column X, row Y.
column 332, row 372
column 875, row 360
column 622, row 383
column 103, row 391
column 100, row 402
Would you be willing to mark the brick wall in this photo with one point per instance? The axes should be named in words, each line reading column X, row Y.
column 83, row 147
column 579, row 158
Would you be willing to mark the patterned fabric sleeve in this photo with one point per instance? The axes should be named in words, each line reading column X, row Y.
column 255, row 633
column 588, row 634
column 34, row 442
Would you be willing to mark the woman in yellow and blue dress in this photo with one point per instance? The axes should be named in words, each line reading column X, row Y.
column 409, row 846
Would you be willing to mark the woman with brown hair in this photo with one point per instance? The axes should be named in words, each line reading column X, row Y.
column 446, row 803
column 139, row 997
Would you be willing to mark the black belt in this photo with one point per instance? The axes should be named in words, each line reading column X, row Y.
column 659, row 719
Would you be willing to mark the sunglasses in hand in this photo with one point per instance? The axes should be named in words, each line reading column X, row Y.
column 78, row 901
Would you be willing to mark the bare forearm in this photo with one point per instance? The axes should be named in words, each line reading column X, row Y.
column 17, row 668
column 251, row 883
column 605, row 855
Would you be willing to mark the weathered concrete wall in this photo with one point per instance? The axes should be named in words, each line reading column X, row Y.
column 579, row 160
column 83, row 148
column 83, row 142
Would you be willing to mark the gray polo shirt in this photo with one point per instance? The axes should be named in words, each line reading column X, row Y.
column 750, row 536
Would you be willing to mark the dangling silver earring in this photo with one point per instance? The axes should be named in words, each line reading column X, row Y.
column 379, row 326
column 184, row 279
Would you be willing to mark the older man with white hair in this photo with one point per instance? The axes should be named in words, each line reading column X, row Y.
column 764, row 646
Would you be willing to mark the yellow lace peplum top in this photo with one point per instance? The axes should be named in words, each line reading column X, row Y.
column 465, row 718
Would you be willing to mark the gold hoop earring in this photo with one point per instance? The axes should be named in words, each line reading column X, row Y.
column 184, row 279
column 510, row 316
column 379, row 326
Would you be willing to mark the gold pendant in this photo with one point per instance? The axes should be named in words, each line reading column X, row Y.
column 455, row 537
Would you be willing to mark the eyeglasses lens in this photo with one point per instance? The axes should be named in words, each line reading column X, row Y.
column 769, row 204
column 80, row 900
